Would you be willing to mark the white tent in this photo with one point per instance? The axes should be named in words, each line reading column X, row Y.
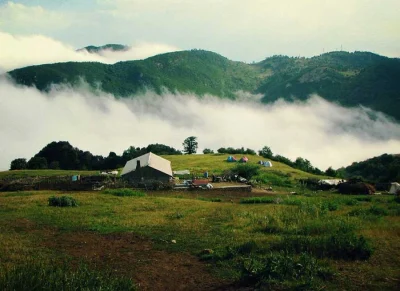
column 267, row 164
column 394, row 188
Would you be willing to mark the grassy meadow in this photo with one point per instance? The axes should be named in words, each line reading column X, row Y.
column 123, row 239
column 309, row 241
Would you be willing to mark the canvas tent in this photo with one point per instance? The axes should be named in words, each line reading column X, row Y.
column 394, row 188
column 265, row 163
column 147, row 167
column 244, row 160
column 231, row 159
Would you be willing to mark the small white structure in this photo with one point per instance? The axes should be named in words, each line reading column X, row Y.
column 394, row 188
column 182, row 172
column 331, row 182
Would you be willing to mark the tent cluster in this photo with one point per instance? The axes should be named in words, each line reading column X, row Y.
column 265, row 163
column 232, row 159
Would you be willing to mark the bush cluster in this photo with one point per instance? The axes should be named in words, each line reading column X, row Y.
column 63, row 201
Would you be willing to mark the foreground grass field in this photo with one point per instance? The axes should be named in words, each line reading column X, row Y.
column 184, row 240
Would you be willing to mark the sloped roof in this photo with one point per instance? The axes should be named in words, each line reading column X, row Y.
column 151, row 160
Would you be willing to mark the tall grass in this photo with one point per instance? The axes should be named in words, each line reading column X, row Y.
column 48, row 277
column 125, row 192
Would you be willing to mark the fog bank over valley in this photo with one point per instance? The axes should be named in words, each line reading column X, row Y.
column 322, row 132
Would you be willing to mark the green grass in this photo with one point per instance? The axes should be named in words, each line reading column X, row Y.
column 216, row 163
column 125, row 192
column 51, row 276
column 17, row 174
column 299, row 225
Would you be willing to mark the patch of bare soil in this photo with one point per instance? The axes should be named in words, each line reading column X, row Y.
column 134, row 256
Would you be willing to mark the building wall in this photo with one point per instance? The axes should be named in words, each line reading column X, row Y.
column 146, row 174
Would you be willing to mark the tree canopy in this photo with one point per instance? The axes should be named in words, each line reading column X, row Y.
column 190, row 145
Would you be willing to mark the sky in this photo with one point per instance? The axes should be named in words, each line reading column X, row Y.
column 240, row 30
column 47, row 31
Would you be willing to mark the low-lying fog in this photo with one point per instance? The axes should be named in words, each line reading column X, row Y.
column 325, row 133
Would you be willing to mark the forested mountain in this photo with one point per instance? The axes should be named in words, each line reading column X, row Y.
column 351, row 79
column 194, row 71
column 385, row 168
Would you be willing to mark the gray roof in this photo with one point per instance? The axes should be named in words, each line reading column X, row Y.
column 151, row 160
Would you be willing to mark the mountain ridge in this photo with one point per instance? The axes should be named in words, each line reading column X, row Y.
column 350, row 79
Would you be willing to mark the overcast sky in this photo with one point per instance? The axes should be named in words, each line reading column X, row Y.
column 240, row 30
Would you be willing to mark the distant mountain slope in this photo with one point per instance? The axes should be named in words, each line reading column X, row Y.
column 351, row 79
column 348, row 78
column 385, row 168
column 195, row 71
column 111, row 47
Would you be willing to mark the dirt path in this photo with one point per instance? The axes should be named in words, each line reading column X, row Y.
column 134, row 256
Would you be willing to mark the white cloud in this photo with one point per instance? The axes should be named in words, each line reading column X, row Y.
column 20, row 51
column 241, row 30
column 247, row 30
column 15, row 17
column 324, row 133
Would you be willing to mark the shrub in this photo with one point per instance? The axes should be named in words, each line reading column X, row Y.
column 347, row 246
column 63, row 201
column 257, row 200
column 282, row 268
column 210, row 199
column 125, row 192
column 246, row 170
column 48, row 277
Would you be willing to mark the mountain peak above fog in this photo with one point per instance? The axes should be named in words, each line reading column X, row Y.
column 108, row 47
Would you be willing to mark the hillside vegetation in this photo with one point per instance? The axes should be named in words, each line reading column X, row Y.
column 280, row 174
column 350, row 79
column 385, row 168
column 195, row 71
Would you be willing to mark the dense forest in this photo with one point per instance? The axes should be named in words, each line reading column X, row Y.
column 385, row 168
column 62, row 155
column 351, row 79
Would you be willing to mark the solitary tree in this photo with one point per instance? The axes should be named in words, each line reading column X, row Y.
column 18, row 164
column 190, row 145
column 265, row 152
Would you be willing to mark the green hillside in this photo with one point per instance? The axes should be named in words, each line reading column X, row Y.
column 196, row 71
column 351, row 79
column 384, row 169
column 197, row 164
column 216, row 163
